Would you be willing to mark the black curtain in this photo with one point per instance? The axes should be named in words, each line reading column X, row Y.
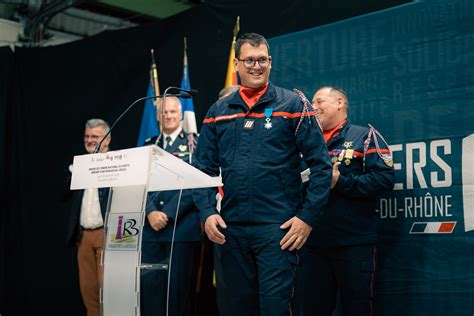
column 47, row 94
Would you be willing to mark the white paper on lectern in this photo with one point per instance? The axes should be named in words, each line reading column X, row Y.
column 138, row 166
column 168, row 172
column 112, row 169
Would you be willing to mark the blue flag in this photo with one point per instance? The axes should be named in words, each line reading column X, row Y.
column 189, row 118
column 149, row 127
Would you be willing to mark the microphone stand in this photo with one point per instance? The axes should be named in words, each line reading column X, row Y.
column 162, row 123
column 97, row 148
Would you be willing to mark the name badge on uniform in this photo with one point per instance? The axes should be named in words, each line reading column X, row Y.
column 248, row 124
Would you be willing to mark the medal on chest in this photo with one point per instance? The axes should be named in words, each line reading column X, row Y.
column 345, row 155
column 268, row 115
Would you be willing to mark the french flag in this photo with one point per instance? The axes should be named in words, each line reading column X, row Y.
column 432, row 227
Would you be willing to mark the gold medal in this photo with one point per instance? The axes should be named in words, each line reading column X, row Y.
column 341, row 155
column 349, row 153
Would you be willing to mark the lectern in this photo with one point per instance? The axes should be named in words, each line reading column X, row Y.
column 131, row 174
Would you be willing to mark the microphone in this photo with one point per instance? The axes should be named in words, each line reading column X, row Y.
column 191, row 91
column 184, row 92
column 184, row 95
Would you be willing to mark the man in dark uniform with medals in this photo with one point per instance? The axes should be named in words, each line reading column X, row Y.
column 255, row 137
column 159, row 226
column 340, row 254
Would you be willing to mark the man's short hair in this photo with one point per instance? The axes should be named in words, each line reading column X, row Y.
column 253, row 39
column 95, row 122
column 177, row 99
column 340, row 92
column 228, row 90
column 169, row 97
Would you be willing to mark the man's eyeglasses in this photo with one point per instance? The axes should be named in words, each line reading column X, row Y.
column 250, row 62
column 93, row 137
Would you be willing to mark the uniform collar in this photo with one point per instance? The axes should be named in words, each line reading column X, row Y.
column 333, row 134
column 174, row 135
column 251, row 95
column 236, row 99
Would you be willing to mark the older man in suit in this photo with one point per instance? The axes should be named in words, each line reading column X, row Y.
column 86, row 224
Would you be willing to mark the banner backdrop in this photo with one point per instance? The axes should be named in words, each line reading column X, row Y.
column 409, row 72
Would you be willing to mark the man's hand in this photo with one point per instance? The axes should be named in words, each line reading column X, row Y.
column 296, row 237
column 212, row 231
column 157, row 220
column 335, row 174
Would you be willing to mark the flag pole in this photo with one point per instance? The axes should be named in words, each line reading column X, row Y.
column 185, row 61
column 230, row 79
column 154, row 74
column 155, row 84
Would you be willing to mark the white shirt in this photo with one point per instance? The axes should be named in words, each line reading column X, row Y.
column 91, row 217
column 172, row 135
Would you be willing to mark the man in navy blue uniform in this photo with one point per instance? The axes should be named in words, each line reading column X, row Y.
column 159, row 226
column 218, row 279
column 256, row 137
column 340, row 253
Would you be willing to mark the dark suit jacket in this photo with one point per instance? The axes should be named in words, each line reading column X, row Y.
column 188, row 225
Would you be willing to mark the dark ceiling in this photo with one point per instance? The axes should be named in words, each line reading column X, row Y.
column 139, row 11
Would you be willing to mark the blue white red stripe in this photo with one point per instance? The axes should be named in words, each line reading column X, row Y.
column 432, row 227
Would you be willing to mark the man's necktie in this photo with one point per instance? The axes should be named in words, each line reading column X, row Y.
column 168, row 141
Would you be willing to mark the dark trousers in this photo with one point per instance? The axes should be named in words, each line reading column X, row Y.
column 221, row 287
column 153, row 283
column 323, row 272
column 255, row 275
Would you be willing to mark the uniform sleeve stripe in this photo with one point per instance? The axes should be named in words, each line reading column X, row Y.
column 374, row 150
column 208, row 120
column 370, row 151
column 256, row 115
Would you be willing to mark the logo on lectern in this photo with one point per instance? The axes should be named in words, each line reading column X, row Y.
column 123, row 231
column 126, row 230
